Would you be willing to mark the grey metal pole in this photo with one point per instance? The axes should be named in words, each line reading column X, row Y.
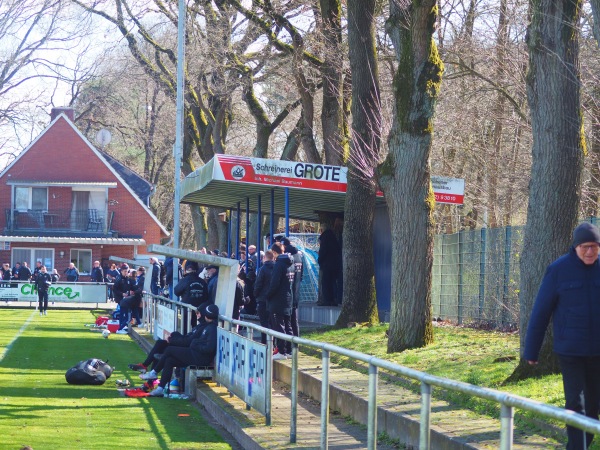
column 269, row 380
column 372, row 415
column 294, row 394
column 424, row 434
column 506, row 427
column 325, row 400
column 178, row 131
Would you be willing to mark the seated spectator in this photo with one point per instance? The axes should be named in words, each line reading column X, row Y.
column 263, row 280
column 97, row 274
column 192, row 289
column 175, row 339
column 72, row 272
column 201, row 352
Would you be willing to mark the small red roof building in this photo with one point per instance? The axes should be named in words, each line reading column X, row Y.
column 66, row 201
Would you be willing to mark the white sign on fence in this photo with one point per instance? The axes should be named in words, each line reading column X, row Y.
column 241, row 366
column 448, row 190
column 164, row 322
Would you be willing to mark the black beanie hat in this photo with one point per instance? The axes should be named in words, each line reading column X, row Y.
column 211, row 312
column 586, row 232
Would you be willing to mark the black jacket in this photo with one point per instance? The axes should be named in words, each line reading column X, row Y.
column 204, row 347
column 179, row 340
column 97, row 275
column 192, row 289
column 121, row 287
column 298, row 264
column 43, row 281
column 7, row 274
column 279, row 294
column 263, row 281
column 24, row 273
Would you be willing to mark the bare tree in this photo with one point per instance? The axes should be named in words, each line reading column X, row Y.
column 553, row 90
column 405, row 174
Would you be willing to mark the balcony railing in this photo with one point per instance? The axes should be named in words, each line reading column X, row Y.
column 56, row 220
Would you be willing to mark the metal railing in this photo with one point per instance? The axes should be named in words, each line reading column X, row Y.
column 84, row 220
column 508, row 402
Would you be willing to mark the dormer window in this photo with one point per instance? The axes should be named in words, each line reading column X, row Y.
column 27, row 198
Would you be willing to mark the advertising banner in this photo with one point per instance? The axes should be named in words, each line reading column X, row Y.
column 241, row 366
column 58, row 292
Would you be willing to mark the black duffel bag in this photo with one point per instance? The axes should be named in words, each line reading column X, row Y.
column 91, row 371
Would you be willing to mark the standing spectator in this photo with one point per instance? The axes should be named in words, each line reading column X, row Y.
column 72, row 272
column 192, row 289
column 121, row 285
column 97, row 274
column 15, row 271
column 55, row 276
column 212, row 272
column 330, row 262
column 155, row 278
column 130, row 305
column 24, row 272
column 36, row 270
column 279, row 299
column 569, row 295
column 43, row 282
column 297, row 259
column 263, row 281
column 111, row 276
column 6, row 272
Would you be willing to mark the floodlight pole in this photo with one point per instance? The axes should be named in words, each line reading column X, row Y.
column 178, row 131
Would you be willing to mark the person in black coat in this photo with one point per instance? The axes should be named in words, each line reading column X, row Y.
column 569, row 294
column 279, row 299
column 43, row 282
column 24, row 272
column 122, row 284
column 296, row 256
column 155, row 276
column 192, row 289
column 131, row 303
column 175, row 339
column 330, row 263
column 6, row 272
column 262, row 283
column 97, row 274
column 201, row 352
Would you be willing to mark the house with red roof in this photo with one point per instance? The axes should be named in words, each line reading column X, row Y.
column 66, row 201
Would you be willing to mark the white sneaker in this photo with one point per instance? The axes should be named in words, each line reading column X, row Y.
column 158, row 392
column 41, row 314
column 123, row 331
column 279, row 356
column 45, row 312
column 152, row 375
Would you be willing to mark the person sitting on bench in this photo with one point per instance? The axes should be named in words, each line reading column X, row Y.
column 201, row 352
column 175, row 339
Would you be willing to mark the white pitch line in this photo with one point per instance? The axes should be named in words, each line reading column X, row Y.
column 19, row 333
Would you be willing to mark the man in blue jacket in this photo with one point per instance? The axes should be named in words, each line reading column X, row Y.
column 570, row 294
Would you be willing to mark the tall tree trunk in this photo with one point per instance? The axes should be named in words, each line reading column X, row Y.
column 553, row 91
column 331, row 112
column 496, row 157
column 405, row 175
column 359, row 302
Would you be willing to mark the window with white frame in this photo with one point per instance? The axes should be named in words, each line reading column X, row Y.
column 31, row 198
column 82, row 258
column 32, row 255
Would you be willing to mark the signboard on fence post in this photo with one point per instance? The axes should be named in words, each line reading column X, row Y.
column 448, row 190
column 241, row 366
